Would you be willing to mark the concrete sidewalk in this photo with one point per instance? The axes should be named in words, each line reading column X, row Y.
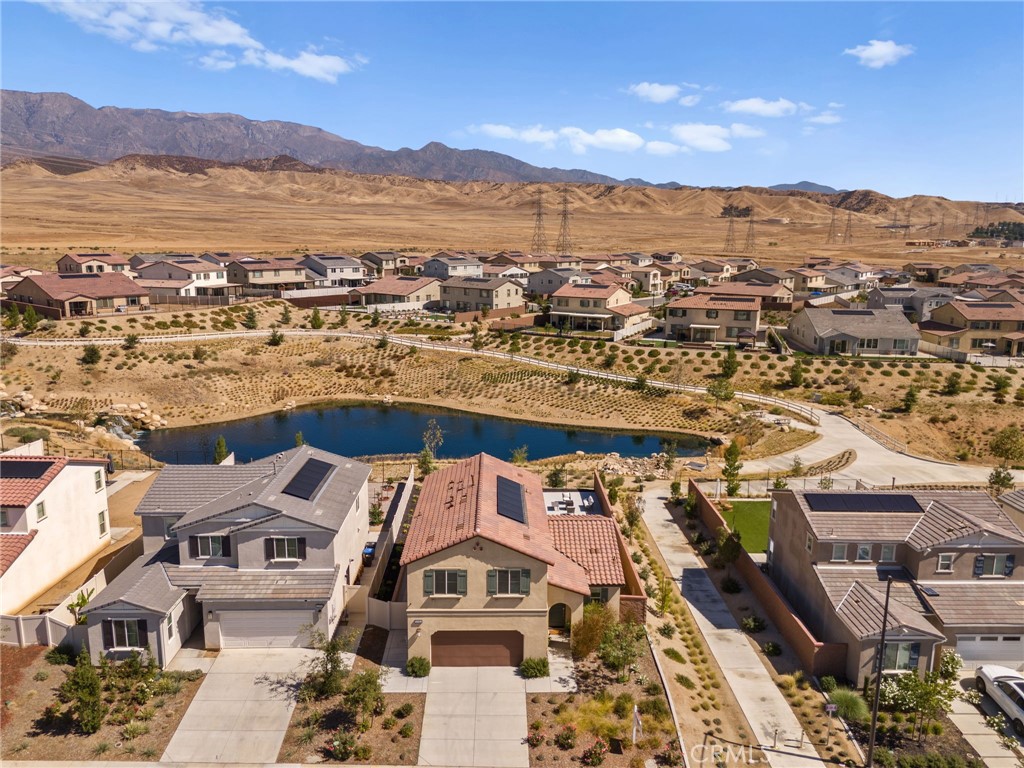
column 971, row 723
column 763, row 704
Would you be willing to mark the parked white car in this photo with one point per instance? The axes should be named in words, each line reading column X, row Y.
column 1006, row 687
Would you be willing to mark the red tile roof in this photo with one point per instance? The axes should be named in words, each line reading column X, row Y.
column 93, row 285
column 746, row 289
column 460, row 503
column 989, row 310
column 628, row 310
column 593, row 542
column 106, row 258
column 20, row 491
column 585, row 291
column 705, row 301
column 12, row 545
column 395, row 285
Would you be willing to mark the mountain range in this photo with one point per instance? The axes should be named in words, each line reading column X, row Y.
column 64, row 127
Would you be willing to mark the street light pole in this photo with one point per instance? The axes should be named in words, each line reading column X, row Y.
column 879, row 663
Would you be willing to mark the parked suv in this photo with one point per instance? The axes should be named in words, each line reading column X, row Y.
column 1006, row 687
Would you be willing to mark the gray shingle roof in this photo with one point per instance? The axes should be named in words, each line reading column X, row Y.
column 180, row 488
column 227, row 583
column 977, row 603
column 858, row 597
column 861, row 323
column 143, row 583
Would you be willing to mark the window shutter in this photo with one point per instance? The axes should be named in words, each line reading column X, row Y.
column 492, row 582
column 1008, row 568
column 225, row 546
column 979, row 565
column 193, row 547
column 268, row 549
column 461, row 582
column 143, row 633
column 302, row 547
column 915, row 655
column 108, row 634
column 524, row 581
column 428, row 583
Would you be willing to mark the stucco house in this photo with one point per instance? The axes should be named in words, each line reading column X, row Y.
column 416, row 292
column 250, row 555
column 489, row 571
column 79, row 295
column 518, row 274
column 547, row 281
column 186, row 276
column 383, row 263
column 281, row 274
column 709, row 319
column 445, row 267
column 980, row 327
column 472, row 294
column 53, row 517
column 772, row 295
column 11, row 275
column 93, row 263
column 952, row 556
column 807, row 280
column 853, row 331
column 596, row 307
column 336, row 269
column 767, row 276
column 916, row 303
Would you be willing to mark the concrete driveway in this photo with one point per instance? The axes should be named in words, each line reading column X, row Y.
column 242, row 709
column 475, row 716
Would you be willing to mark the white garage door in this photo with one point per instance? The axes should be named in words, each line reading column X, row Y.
column 1008, row 649
column 264, row 629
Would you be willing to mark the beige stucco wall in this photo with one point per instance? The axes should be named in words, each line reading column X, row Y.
column 726, row 319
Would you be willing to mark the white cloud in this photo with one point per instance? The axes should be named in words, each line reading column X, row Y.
column 761, row 107
column 691, row 100
column 150, row 26
column 879, row 53
column 835, row 105
column 664, row 148
column 743, row 131
column 693, row 86
column 534, row 134
column 657, row 93
column 614, row 139
column 803, row 106
column 712, row 138
column 825, row 118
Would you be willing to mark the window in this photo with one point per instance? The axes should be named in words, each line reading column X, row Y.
column 982, row 343
column 103, row 522
column 444, row 582
column 168, row 524
column 40, row 511
column 597, row 595
column 863, row 552
column 839, row 553
column 888, row 553
column 170, row 626
column 867, row 344
column 124, row 633
column 286, row 549
column 809, row 544
column 711, row 314
column 992, row 565
column 584, row 302
column 202, row 547
column 98, row 478
column 133, row 301
column 954, row 342
column 980, row 325
column 257, row 273
column 508, row 581
column 945, row 564
column 3, row 518
column 901, row 345
column 741, row 315
column 901, row 656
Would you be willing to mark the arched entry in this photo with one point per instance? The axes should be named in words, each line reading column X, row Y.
column 559, row 617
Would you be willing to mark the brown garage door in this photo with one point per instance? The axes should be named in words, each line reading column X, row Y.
column 476, row 649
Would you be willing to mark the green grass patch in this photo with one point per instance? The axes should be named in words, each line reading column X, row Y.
column 750, row 518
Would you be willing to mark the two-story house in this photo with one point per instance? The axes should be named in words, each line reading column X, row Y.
column 649, row 279
column 807, row 280
column 252, row 555
column 11, row 275
column 772, row 295
column 952, row 558
column 336, row 269
column 718, row 270
column 416, row 292
column 90, row 263
column 853, row 332
column 980, row 327
column 927, row 271
column 766, row 276
column 473, row 294
column 547, row 281
column 447, row 267
column 488, row 571
column 53, row 517
column 518, row 274
column 916, row 303
column 382, row 263
column 596, row 307
column 707, row 319
column 280, row 274
column 186, row 277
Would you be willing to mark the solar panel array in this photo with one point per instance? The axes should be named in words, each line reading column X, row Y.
column 310, row 478
column 862, row 502
column 24, row 470
column 511, row 501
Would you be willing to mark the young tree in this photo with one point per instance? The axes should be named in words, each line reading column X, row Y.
column 364, row 695
column 953, row 385
column 556, row 477
column 433, row 437
column 780, row 483
column 731, row 469
column 721, row 391
column 84, row 689
column 220, row 450
column 1008, row 445
column 249, row 321
column 1000, row 481
column 729, row 364
column 131, row 341
column 910, row 399
column 286, row 314
column 276, row 338
column 586, row 634
column 200, row 354
column 316, row 322
column 631, row 511
column 299, row 440
column 796, row 374
column 327, row 668
column 375, row 318
column 91, row 354
column 29, row 320
column 664, row 595
column 520, row 455
column 620, row 647
column 12, row 317
column 729, row 546
column 342, row 316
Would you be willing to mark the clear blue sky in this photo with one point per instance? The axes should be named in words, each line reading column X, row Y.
column 900, row 97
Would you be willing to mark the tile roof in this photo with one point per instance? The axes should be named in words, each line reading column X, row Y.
column 860, row 323
column 257, row 264
column 93, row 285
column 182, row 283
column 180, row 488
column 335, row 259
column 500, row 269
column 593, row 542
column 192, row 265
column 935, row 328
column 706, row 301
column 975, row 603
column 585, row 291
column 630, row 309
column 106, row 258
column 765, row 290
column 989, row 310
column 21, row 491
column 806, row 272
column 228, row 583
column 396, row 285
column 460, row 502
column 12, row 545
column 144, row 584
column 479, row 283
column 857, row 595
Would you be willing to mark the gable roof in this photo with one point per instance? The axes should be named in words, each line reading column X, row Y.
column 706, row 301
column 988, row 310
column 460, row 502
column 586, row 291
column 92, row 285
column 593, row 542
column 21, row 491
column 630, row 309
column 252, row 265
column 480, row 283
column 106, row 258
column 396, row 285
column 11, row 546
column 335, row 260
column 143, row 584
column 753, row 288
column 857, row 595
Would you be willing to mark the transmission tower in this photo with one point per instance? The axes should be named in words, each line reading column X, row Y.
column 977, row 215
column 539, row 244
column 730, row 237
column 942, row 226
column 848, row 232
column 564, row 244
column 830, row 239
column 748, row 244
column 894, row 227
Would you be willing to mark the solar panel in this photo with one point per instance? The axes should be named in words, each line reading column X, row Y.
column 511, row 503
column 24, row 470
column 930, row 591
column 310, row 478
column 862, row 502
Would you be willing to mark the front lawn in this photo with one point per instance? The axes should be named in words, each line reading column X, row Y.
column 750, row 518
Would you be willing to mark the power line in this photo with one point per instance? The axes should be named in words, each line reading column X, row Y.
column 730, row 236
column 564, row 244
column 539, row 244
column 748, row 244
column 830, row 239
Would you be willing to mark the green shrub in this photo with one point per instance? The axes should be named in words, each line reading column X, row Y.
column 655, row 707
column 417, row 666
column 587, row 633
column 850, row 705
column 406, row 731
column 771, row 649
column 731, row 586
column 828, row 684
column 61, row 654
column 668, row 629
column 565, row 739
column 534, row 667
column 623, row 706
column 685, row 681
column 675, row 655
column 403, row 711
column 753, row 624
